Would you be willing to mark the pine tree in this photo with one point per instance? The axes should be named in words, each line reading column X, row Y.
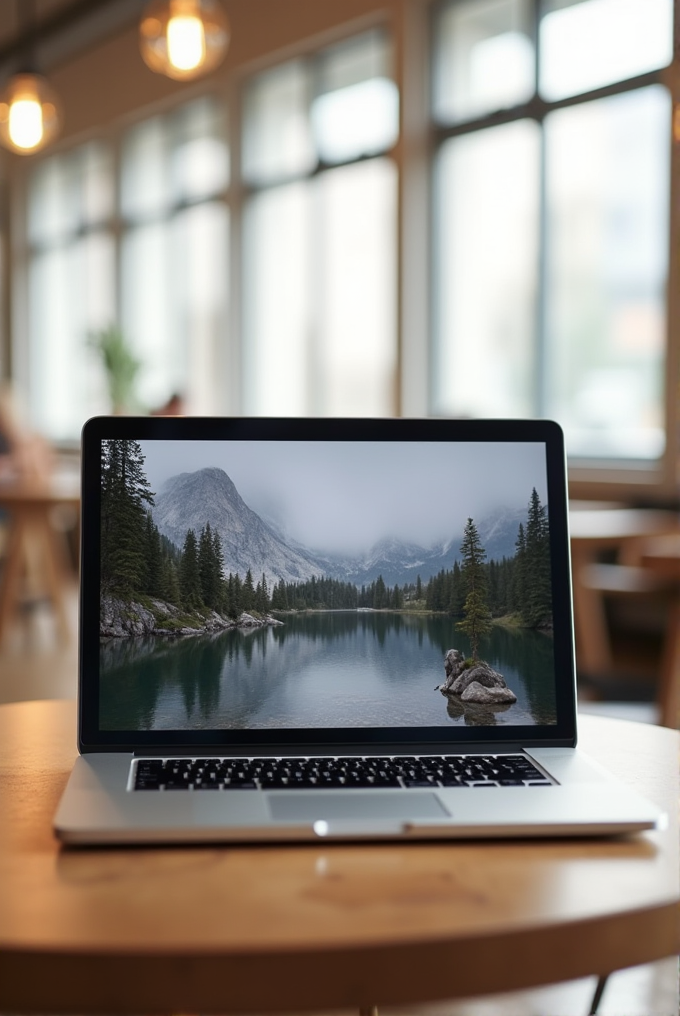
column 154, row 557
column 279, row 596
column 126, row 497
column 537, row 608
column 261, row 601
column 437, row 592
column 247, row 597
column 231, row 604
column 519, row 577
column 477, row 621
column 457, row 594
column 492, row 578
column 379, row 594
column 189, row 574
column 218, row 563
column 503, row 603
column 210, row 568
column 171, row 590
column 236, row 595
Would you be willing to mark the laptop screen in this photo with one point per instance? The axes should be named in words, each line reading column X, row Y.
column 259, row 581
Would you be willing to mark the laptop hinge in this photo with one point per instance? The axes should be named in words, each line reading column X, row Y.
column 329, row 749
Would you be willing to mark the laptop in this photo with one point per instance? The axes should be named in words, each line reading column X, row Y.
column 295, row 629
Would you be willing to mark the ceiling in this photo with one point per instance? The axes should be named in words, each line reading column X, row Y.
column 11, row 15
column 59, row 28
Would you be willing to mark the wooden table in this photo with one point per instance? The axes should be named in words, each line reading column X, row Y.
column 295, row 928
column 592, row 532
column 34, row 540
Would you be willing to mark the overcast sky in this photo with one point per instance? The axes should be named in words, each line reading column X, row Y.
column 345, row 496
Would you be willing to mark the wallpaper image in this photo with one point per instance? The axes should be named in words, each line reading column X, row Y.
column 302, row 585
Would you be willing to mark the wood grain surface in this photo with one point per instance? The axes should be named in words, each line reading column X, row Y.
column 294, row 928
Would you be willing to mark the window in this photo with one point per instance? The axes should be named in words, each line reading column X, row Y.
column 70, row 285
column 174, row 277
column 552, row 226
column 320, row 234
column 446, row 207
column 146, row 248
column 606, row 271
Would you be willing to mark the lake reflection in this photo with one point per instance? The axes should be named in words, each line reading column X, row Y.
column 335, row 669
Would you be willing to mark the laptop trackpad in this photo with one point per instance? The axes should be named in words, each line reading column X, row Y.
column 308, row 806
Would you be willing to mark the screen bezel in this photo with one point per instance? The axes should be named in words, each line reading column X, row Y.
column 546, row 432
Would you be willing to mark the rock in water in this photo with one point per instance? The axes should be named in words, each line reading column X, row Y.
column 476, row 683
column 476, row 692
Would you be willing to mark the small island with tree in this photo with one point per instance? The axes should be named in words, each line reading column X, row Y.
column 473, row 679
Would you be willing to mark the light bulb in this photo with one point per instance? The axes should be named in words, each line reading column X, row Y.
column 25, row 123
column 183, row 38
column 186, row 42
column 29, row 114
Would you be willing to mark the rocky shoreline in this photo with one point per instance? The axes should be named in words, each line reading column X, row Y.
column 121, row 619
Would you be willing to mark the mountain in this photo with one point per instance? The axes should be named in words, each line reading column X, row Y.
column 190, row 500
column 401, row 562
column 396, row 560
column 498, row 532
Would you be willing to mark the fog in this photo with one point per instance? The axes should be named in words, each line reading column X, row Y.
column 343, row 497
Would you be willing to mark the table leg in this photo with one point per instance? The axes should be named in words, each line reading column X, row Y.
column 53, row 571
column 597, row 997
column 11, row 573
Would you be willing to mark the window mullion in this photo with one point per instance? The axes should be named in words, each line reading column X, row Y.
column 541, row 370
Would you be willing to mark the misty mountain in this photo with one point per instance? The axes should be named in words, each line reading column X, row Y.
column 396, row 560
column 401, row 562
column 498, row 532
column 190, row 500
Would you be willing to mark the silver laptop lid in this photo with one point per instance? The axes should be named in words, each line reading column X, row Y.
column 257, row 583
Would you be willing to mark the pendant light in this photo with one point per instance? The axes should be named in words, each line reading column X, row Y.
column 183, row 39
column 30, row 115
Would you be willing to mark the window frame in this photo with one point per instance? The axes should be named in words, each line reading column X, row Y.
column 410, row 25
column 116, row 226
column 311, row 58
column 637, row 480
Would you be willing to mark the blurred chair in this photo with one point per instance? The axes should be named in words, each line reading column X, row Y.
column 643, row 582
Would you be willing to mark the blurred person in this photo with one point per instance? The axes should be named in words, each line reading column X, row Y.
column 173, row 407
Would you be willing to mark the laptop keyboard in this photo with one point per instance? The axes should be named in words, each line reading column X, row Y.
column 337, row 772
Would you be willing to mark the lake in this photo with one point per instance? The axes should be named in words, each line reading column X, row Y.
column 328, row 669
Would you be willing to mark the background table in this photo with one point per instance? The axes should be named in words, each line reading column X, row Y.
column 238, row 929
column 33, row 539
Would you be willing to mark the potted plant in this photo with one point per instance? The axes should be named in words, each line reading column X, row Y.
column 121, row 367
